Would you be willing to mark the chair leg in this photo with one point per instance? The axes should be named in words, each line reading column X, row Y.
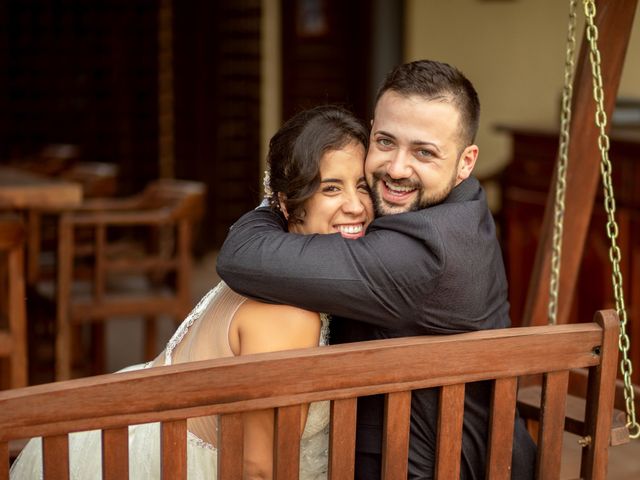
column 63, row 322
column 98, row 348
column 18, row 318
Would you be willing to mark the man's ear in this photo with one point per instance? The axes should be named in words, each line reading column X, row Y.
column 282, row 204
column 466, row 163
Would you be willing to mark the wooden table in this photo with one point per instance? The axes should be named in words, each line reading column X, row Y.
column 24, row 190
column 33, row 193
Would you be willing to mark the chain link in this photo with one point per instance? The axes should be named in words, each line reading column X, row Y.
column 612, row 226
column 563, row 158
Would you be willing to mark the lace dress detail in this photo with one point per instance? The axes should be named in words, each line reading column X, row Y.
column 195, row 314
column 144, row 439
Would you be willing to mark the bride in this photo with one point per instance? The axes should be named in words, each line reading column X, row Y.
column 317, row 183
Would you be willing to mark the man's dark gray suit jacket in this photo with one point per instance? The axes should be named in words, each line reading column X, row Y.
column 435, row 271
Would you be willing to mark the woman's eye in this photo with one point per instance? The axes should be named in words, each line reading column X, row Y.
column 330, row 189
column 364, row 187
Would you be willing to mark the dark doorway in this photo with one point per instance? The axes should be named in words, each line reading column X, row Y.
column 217, row 92
column 326, row 50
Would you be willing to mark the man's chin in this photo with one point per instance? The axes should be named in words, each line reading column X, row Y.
column 383, row 208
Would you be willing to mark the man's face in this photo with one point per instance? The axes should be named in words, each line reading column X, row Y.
column 416, row 156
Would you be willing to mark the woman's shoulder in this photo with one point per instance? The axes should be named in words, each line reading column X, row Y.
column 269, row 327
column 278, row 312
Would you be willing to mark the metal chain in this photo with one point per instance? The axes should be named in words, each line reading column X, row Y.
column 610, row 207
column 561, row 172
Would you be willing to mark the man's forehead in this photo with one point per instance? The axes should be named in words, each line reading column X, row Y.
column 397, row 113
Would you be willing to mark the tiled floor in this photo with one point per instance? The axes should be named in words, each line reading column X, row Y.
column 125, row 340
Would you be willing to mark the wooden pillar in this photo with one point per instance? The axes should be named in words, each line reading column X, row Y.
column 614, row 20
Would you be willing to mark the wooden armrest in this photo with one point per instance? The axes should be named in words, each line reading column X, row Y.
column 109, row 203
column 119, row 218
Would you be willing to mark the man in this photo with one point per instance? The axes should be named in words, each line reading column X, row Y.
column 429, row 264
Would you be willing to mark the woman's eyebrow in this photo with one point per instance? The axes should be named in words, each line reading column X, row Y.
column 331, row 180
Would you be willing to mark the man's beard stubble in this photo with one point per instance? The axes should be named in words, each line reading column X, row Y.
column 422, row 201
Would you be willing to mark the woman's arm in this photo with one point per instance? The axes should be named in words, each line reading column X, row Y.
column 257, row 328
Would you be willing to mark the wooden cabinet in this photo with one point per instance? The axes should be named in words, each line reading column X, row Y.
column 524, row 189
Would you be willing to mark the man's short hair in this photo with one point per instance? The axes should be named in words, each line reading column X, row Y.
column 434, row 80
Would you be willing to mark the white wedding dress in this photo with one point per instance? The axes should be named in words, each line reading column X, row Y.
column 144, row 440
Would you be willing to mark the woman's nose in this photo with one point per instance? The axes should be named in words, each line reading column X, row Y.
column 353, row 204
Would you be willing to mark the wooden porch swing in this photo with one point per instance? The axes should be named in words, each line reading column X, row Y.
column 341, row 373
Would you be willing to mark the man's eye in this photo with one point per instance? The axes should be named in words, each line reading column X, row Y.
column 384, row 142
column 425, row 153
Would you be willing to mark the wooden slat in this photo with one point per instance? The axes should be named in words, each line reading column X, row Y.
column 4, row 461
column 55, row 457
column 342, row 439
column 395, row 438
column 115, row 454
column 286, row 445
column 600, row 399
column 449, row 442
column 554, row 395
column 173, row 450
column 230, row 445
column 503, row 410
column 345, row 370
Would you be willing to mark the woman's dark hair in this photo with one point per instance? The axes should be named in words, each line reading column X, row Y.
column 296, row 149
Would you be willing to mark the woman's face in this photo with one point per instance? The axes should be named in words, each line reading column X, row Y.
column 342, row 203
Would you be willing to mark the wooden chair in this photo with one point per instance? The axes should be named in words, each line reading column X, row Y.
column 341, row 373
column 13, row 330
column 98, row 180
column 145, row 241
column 51, row 160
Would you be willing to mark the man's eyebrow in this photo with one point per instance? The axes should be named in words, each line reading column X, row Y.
column 386, row 134
column 422, row 143
column 415, row 143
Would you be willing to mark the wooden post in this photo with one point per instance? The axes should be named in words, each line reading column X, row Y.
column 614, row 20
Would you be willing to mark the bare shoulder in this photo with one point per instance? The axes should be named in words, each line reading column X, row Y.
column 265, row 327
column 277, row 313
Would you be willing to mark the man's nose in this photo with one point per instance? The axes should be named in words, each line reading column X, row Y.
column 398, row 166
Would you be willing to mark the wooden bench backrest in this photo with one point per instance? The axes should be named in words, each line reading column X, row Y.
column 284, row 380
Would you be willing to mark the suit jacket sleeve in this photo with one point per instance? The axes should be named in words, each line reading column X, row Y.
column 377, row 279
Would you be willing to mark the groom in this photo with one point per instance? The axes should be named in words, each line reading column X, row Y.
column 429, row 264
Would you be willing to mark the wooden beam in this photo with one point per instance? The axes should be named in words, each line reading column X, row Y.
column 614, row 19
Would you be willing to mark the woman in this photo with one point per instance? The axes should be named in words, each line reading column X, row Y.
column 316, row 165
